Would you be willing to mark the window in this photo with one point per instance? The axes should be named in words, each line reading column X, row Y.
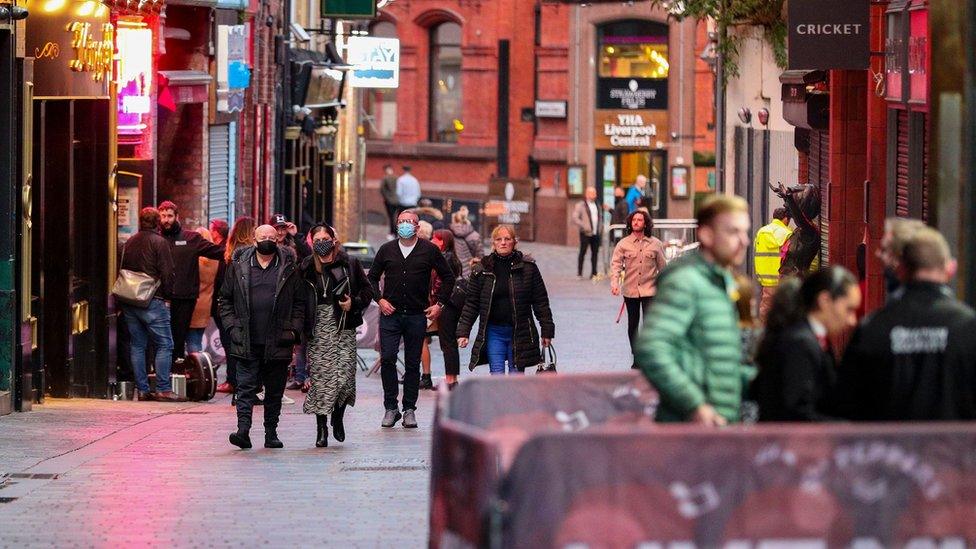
column 634, row 49
column 381, row 104
column 445, row 83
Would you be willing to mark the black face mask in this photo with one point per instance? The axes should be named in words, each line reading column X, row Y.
column 267, row 247
column 323, row 247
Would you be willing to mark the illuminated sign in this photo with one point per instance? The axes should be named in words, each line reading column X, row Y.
column 134, row 75
column 73, row 45
column 91, row 54
column 376, row 61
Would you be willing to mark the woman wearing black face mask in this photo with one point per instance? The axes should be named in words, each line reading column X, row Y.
column 339, row 292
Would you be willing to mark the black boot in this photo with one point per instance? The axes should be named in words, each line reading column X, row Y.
column 322, row 438
column 338, row 430
column 271, row 439
column 425, row 382
column 241, row 439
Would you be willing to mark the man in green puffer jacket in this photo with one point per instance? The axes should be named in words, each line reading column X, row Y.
column 690, row 348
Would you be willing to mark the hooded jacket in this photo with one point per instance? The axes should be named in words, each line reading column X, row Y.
column 690, row 348
column 467, row 246
column 287, row 316
column 529, row 296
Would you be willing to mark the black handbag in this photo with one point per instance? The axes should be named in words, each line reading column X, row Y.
column 548, row 365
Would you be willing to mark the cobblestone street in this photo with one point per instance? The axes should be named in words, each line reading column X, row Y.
column 98, row 473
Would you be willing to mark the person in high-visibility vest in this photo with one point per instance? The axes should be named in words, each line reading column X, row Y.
column 768, row 248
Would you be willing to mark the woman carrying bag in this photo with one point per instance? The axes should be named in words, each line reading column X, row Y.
column 340, row 292
column 505, row 291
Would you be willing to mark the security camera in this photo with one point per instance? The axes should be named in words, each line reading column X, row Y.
column 674, row 136
column 13, row 13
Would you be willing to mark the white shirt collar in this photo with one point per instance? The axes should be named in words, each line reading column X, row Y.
column 819, row 329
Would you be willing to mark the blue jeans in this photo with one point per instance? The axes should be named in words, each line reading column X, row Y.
column 301, row 368
column 500, row 350
column 194, row 340
column 151, row 322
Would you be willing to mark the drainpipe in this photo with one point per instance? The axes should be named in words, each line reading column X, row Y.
column 720, row 115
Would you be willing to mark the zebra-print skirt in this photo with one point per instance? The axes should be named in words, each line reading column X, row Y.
column 331, row 363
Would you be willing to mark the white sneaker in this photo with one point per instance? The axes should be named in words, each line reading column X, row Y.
column 285, row 399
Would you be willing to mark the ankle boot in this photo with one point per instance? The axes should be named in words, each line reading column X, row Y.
column 338, row 430
column 426, row 383
column 322, row 438
column 271, row 439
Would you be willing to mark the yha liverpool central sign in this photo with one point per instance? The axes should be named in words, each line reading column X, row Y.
column 829, row 34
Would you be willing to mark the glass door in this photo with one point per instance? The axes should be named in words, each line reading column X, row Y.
column 623, row 167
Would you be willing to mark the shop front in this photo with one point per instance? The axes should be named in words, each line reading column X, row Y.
column 626, row 147
column 71, row 167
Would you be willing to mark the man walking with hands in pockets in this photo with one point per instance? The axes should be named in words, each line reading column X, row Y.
column 405, row 265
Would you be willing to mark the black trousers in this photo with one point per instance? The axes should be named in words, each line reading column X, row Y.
column 252, row 374
column 180, row 316
column 447, row 325
column 412, row 329
column 392, row 212
column 593, row 243
column 636, row 306
column 231, row 361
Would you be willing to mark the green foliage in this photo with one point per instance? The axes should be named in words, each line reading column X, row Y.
column 703, row 159
column 767, row 14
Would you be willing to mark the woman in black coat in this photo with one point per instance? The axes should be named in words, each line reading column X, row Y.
column 338, row 293
column 447, row 322
column 797, row 375
column 505, row 290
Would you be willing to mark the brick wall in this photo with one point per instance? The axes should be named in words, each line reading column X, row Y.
column 183, row 161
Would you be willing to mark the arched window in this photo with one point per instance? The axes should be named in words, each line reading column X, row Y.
column 381, row 104
column 445, row 83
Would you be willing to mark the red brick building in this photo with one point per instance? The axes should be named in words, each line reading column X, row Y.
column 567, row 94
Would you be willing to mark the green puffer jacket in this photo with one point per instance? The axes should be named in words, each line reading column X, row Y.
column 690, row 348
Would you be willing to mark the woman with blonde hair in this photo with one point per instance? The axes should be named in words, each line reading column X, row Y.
column 505, row 291
column 241, row 236
column 468, row 248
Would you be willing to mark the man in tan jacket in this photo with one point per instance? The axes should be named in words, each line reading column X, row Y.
column 640, row 257
column 588, row 219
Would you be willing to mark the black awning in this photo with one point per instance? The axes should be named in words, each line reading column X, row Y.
column 803, row 77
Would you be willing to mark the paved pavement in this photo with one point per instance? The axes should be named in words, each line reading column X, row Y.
column 91, row 473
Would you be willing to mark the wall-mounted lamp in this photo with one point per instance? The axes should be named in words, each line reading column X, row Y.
column 763, row 116
column 745, row 115
column 10, row 12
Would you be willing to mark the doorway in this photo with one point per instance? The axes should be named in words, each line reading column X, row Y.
column 622, row 168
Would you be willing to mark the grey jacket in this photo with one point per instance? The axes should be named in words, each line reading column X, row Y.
column 582, row 219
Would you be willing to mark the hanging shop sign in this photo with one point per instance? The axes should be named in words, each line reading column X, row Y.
column 134, row 40
column 233, row 74
column 918, row 55
column 630, row 130
column 349, row 9
column 73, row 48
column 632, row 93
column 511, row 202
column 829, row 34
column 376, row 62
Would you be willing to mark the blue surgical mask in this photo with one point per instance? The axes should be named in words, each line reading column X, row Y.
column 406, row 229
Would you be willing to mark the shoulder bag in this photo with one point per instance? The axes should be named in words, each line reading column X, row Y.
column 134, row 288
column 548, row 365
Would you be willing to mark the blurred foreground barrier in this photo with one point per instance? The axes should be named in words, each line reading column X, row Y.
column 619, row 482
column 484, row 421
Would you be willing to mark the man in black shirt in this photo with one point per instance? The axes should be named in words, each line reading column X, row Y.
column 915, row 358
column 405, row 264
column 187, row 247
column 262, row 307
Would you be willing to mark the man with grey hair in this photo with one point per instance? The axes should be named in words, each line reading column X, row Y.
column 897, row 232
column 915, row 358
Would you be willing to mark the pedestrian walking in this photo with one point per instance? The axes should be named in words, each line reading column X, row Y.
column 690, row 348
column 618, row 216
column 288, row 236
column 147, row 252
column 915, row 358
column 388, row 190
column 588, row 219
column 447, row 323
column 637, row 261
column 200, row 319
column 797, row 376
column 241, row 236
column 468, row 246
column 339, row 292
column 637, row 193
column 505, row 290
column 262, row 302
column 407, row 189
column 897, row 232
column 186, row 247
column 768, row 252
column 405, row 265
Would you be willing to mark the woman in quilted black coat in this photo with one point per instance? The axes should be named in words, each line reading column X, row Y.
column 505, row 291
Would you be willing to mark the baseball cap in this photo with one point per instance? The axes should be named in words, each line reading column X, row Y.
column 278, row 219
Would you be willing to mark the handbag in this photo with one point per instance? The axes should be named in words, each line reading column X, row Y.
column 134, row 288
column 548, row 365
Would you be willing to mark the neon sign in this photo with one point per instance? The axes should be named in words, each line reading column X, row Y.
column 134, row 75
column 91, row 55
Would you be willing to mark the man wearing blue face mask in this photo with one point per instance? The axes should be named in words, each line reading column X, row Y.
column 405, row 265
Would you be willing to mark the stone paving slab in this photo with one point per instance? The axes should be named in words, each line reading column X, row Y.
column 134, row 473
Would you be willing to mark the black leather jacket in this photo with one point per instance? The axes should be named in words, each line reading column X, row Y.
column 360, row 291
